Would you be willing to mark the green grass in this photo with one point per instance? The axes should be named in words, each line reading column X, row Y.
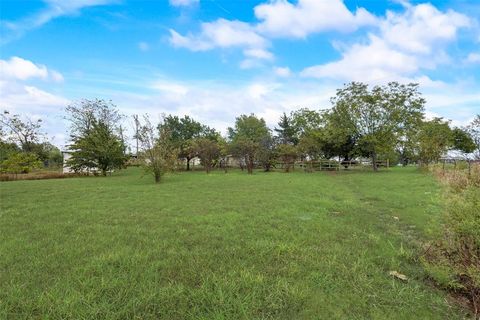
column 219, row 246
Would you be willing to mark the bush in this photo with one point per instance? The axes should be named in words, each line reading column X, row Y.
column 21, row 162
column 453, row 260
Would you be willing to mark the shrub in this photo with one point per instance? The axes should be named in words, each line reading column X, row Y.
column 21, row 162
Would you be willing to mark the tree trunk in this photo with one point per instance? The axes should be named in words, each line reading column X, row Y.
column 157, row 177
column 188, row 164
column 374, row 161
column 249, row 163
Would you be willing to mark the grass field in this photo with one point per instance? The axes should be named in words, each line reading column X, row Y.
column 219, row 246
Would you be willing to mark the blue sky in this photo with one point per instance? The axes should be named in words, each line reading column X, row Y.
column 215, row 59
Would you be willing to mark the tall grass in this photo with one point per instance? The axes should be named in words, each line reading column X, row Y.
column 453, row 260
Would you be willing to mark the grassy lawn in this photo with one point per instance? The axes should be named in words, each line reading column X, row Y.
column 222, row 246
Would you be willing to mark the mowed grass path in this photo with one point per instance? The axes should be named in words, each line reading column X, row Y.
column 218, row 246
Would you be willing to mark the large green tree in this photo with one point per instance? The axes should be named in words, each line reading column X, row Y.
column 182, row 133
column 95, row 140
column 304, row 121
column 433, row 140
column 246, row 138
column 376, row 117
column 463, row 141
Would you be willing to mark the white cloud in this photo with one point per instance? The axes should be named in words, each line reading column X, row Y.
column 17, row 68
column 219, row 34
column 143, row 46
column 56, row 76
column 224, row 34
column 375, row 61
column 281, row 18
column 170, row 87
column 183, row 3
column 258, row 54
column 282, row 71
column 54, row 9
column 19, row 97
column 473, row 57
column 421, row 27
column 405, row 44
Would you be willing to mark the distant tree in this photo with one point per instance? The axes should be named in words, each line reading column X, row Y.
column 286, row 132
column 474, row 130
column 304, row 121
column 158, row 153
column 434, row 139
column 463, row 141
column 208, row 150
column 310, row 145
column 287, row 153
column 183, row 131
column 337, row 139
column 376, row 117
column 21, row 162
column 94, row 133
column 266, row 153
column 246, row 138
column 47, row 153
column 23, row 132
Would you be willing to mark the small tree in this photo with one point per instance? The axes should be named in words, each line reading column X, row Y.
column 266, row 153
column 246, row 138
column 158, row 153
column 21, row 162
column 287, row 154
column 286, row 132
column 94, row 131
column 208, row 151
column 182, row 133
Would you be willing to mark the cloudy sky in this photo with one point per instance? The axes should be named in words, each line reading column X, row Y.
column 217, row 59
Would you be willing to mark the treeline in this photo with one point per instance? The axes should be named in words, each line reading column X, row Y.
column 382, row 122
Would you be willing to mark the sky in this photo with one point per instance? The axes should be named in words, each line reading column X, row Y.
column 216, row 59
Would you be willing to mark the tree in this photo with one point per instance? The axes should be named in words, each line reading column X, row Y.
column 266, row 153
column 246, row 138
column 7, row 149
column 286, row 132
column 21, row 162
column 463, row 141
column 158, row 152
column 25, row 133
column 183, row 131
column 208, row 150
column 474, row 130
column 94, row 132
column 47, row 153
column 376, row 117
column 304, row 121
column 434, row 139
column 288, row 154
